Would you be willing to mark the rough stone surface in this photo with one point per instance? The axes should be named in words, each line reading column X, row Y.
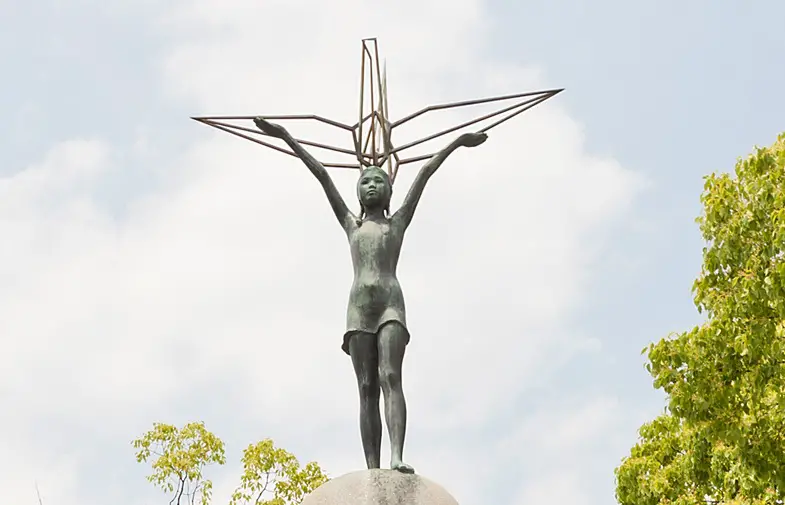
column 379, row 487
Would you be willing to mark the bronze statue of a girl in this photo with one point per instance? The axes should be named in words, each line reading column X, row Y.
column 376, row 332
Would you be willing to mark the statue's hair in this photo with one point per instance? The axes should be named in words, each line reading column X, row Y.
column 386, row 178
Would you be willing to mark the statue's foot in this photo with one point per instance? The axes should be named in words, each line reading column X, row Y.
column 401, row 467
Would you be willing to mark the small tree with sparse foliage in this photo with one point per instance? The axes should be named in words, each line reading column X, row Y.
column 271, row 475
column 178, row 457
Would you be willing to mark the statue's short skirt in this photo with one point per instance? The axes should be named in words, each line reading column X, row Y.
column 371, row 306
column 372, row 324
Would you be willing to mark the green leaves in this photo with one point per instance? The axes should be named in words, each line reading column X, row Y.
column 723, row 434
column 179, row 455
column 271, row 476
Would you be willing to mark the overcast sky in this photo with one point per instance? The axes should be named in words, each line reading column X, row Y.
column 153, row 269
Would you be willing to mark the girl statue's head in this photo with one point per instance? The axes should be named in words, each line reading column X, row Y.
column 374, row 190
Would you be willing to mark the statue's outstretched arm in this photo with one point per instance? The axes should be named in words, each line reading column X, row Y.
column 342, row 212
column 406, row 212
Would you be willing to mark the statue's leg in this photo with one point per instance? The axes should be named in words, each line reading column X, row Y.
column 393, row 338
column 365, row 358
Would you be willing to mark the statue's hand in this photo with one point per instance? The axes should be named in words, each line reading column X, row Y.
column 270, row 129
column 472, row 139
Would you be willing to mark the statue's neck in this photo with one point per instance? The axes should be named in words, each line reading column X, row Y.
column 375, row 215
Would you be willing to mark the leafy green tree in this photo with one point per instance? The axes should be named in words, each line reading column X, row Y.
column 722, row 436
column 275, row 472
column 271, row 475
column 179, row 455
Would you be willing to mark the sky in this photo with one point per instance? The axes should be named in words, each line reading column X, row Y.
column 156, row 270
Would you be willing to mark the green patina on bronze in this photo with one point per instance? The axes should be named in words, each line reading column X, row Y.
column 376, row 333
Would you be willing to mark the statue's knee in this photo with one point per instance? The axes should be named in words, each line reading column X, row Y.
column 390, row 379
column 368, row 389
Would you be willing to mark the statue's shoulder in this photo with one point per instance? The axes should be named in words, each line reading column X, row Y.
column 398, row 223
column 351, row 224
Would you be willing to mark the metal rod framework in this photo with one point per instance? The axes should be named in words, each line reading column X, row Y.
column 376, row 147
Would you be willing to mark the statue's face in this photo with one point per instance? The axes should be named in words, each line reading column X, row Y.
column 373, row 188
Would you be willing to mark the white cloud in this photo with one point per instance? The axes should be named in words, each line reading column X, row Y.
column 568, row 427
column 221, row 296
column 556, row 489
column 27, row 466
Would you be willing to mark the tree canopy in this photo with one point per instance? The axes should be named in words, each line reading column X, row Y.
column 721, row 438
column 178, row 456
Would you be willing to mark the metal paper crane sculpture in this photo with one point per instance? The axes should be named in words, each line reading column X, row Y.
column 372, row 133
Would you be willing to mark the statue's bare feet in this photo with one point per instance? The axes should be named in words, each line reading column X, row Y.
column 401, row 467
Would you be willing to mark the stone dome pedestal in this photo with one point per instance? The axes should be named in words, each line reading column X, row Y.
column 379, row 487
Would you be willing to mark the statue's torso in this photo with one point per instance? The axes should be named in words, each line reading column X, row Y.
column 376, row 295
column 375, row 248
